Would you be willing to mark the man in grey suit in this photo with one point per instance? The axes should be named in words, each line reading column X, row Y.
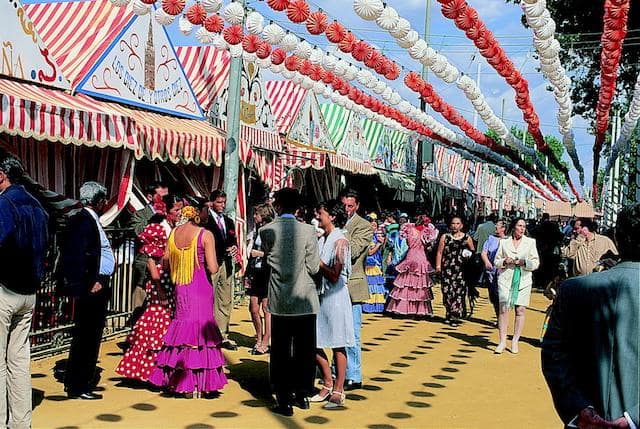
column 591, row 351
column 291, row 251
column 360, row 235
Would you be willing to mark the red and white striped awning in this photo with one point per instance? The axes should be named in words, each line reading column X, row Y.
column 47, row 114
column 351, row 165
column 77, row 32
column 303, row 158
column 286, row 98
column 207, row 69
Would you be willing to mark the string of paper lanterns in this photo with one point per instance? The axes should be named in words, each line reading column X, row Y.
column 630, row 123
column 548, row 49
column 466, row 19
column 615, row 30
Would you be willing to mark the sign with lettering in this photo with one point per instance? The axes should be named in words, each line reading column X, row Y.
column 140, row 68
column 24, row 56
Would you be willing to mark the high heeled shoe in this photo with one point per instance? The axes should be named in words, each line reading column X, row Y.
column 331, row 404
column 319, row 397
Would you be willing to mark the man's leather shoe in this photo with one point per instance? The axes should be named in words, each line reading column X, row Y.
column 229, row 345
column 89, row 396
column 352, row 385
column 282, row 409
column 301, row 402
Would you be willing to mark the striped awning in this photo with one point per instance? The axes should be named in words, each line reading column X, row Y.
column 337, row 119
column 207, row 69
column 286, row 98
column 303, row 158
column 345, row 163
column 47, row 114
column 77, row 32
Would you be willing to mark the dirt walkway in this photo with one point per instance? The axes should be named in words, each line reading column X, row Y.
column 417, row 375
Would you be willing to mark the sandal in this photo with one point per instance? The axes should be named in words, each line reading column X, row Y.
column 256, row 349
column 332, row 404
column 319, row 397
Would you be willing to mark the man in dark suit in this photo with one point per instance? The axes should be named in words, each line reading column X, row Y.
column 87, row 265
column 139, row 222
column 591, row 351
column 224, row 232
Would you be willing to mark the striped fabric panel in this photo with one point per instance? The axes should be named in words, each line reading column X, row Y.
column 255, row 137
column 372, row 130
column 286, row 98
column 337, row 119
column 77, row 32
column 207, row 69
column 398, row 142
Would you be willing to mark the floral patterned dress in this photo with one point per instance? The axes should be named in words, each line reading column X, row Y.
column 453, row 285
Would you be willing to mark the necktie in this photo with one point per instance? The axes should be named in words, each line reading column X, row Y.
column 221, row 226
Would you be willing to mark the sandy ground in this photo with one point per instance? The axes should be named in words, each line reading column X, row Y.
column 418, row 374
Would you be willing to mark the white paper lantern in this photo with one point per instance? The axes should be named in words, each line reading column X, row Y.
column 277, row 68
column 185, row 26
column 341, row 67
column 288, row 74
column 316, row 56
column 220, row 43
column 418, row 50
column 162, row 17
column 249, row 57
column 297, row 78
column 351, row 72
column 379, row 87
column 273, row 34
column 401, row 29
column 363, row 76
column 369, row 10
column 329, row 62
column 264, row 63
column 289, row 42
column 234, row 13
column 120, row 3
column 387, row 94
column 255, row 23
column 388, row 18
column 318, row 88
column 236, row 50
column 140, row 8
column 409, row 40
column 547, row 30
column 303, row 50
column 204, row 36
column 534, row 9
column 307, row 83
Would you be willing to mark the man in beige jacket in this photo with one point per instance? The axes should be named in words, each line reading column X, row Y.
column 360, row 235
column 291, row 251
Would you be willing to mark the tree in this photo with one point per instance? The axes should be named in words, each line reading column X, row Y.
column 579, row 25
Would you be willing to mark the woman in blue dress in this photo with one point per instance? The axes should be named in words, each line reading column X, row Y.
column 373, row 269
column 334, row 327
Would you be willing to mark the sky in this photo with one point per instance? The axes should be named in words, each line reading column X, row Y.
column 503, row 19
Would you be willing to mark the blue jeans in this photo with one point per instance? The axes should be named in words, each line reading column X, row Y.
column 354, row 366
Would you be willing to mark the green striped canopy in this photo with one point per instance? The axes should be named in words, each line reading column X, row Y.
column 336, row 118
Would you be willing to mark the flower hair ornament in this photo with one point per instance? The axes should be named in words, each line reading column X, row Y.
column 190, row 213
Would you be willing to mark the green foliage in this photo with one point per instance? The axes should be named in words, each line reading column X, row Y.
column 579, row 25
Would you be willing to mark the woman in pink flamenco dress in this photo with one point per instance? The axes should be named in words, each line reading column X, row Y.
column 191, row 361
column 411, row 294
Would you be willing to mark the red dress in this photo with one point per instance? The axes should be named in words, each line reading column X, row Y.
column 146, row 337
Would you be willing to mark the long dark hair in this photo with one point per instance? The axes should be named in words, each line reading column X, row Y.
column 512, row 226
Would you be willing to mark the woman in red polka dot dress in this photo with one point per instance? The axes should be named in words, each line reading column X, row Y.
column 146, row 338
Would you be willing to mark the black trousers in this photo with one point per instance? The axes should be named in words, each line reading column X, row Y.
column 293, row 351
column 90, row 314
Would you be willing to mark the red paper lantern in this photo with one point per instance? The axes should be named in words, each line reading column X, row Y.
column 278, row 5
column 250, row 43
column 264, row 50
column 196, row 14
column 292, row 63
column 374, row 59
column 305, row 67
column 317, row 73
column 214, row 23
column 454, row 8
column 278, row 56
column 148, row 1
column 298, row 11
column 328, row 77
column 467, row 19
column 393, row 72
column 478, row 30
column 173, row 7
column 360, row 50
column 317, row 23
column 412, row 80
column 335, row 32
column 347, row 42
column 233, row 34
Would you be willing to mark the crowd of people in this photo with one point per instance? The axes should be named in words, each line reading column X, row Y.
column 309, row 279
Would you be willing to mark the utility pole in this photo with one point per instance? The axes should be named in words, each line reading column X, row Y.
column 417, row 191
column 231, row 155
column 615, row 174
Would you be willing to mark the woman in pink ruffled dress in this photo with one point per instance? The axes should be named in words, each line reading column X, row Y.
column 411, row 294
column 191, row 361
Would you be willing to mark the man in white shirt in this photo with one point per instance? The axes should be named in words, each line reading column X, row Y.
column 87, row 265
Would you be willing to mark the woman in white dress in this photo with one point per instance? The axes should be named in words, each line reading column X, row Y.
column 335, row 318
column 516, row 259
